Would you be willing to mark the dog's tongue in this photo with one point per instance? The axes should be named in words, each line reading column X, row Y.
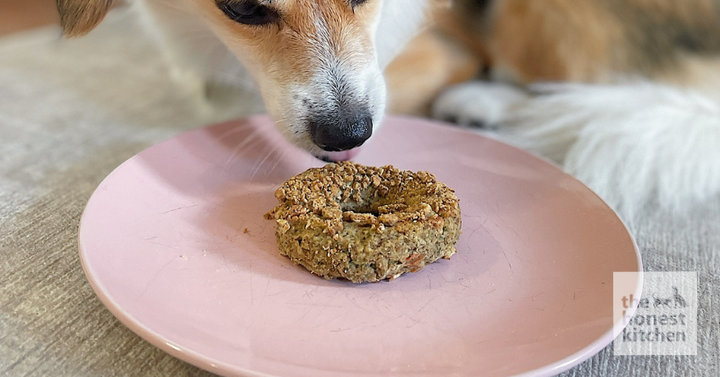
column 343, row 156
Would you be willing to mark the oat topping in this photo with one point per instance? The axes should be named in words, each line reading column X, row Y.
column 365, row 223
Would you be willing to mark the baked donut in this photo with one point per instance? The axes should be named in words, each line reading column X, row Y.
column 365, row 224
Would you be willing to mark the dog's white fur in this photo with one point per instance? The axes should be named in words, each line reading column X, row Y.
column 636, row 144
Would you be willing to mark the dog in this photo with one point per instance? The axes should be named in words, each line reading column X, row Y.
column 318, row 63
column 622, row 93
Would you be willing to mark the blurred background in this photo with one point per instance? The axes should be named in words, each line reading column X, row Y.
column 18, row 15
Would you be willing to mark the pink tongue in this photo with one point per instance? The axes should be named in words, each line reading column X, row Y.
column 344, row 155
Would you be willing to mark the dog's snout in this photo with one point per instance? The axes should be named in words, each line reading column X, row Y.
column 341, row 133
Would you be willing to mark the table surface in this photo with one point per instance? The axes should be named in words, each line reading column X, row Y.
column 72, row 111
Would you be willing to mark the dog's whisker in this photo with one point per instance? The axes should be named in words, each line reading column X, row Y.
column 262, row 162
column 277, row 161
column 233, row 131
column 230, row 70
column 238, row 149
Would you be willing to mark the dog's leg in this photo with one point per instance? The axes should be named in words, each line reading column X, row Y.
column 638, row 143
column 429, row 63
column 479, row 104
column 522, row 48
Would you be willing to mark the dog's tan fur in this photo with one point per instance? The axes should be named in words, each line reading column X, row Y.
column 540, row 40
column 591, row 41
column 79, row 17
column 439, row 60
column 588, row 40
column 292, row 49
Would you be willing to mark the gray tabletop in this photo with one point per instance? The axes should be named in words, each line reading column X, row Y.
column 72, row 111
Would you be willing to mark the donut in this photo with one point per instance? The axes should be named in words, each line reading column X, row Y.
column 365, row 224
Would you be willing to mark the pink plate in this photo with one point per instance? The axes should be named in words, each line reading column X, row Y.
column 175, row 244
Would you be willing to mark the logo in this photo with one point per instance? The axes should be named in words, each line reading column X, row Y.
column 664, row 321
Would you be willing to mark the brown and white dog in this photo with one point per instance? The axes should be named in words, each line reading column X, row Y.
column 318, row 63
column 634, row 105
column 633, row 111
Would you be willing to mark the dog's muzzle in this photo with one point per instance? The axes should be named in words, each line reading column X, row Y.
column 341, row 132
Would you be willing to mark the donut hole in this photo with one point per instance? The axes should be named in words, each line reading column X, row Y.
column 365, row 208
column 369, row 202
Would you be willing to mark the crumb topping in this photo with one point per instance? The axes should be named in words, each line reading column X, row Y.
column 377, row 197
column 365, row 224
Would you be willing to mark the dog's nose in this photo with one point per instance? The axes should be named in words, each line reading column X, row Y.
column 341, row 133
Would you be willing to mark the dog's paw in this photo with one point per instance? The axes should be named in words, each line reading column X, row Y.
column 477, row 104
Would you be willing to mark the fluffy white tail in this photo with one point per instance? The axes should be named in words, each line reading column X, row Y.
column 634, row 144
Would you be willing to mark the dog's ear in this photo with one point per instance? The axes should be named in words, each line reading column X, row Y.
column 78, row 17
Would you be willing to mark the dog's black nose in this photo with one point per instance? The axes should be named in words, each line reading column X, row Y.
column 341, row 133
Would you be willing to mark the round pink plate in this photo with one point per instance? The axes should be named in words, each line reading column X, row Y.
column 175, row 244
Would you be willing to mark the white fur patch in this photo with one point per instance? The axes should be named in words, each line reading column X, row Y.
column 634, row 144
column 400, row 21
column 477, row 103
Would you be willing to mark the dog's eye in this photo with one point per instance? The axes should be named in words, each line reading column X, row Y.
column 249, row 12
column 356, row 3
